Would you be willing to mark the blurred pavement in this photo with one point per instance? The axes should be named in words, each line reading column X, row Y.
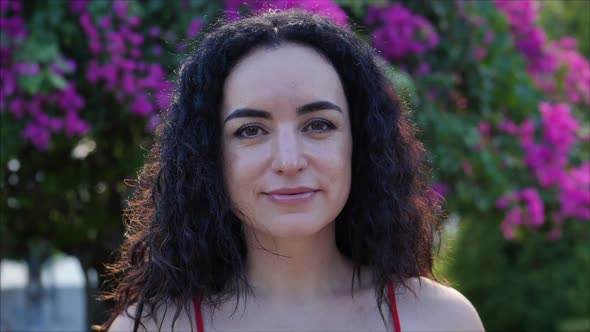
column 61, row 306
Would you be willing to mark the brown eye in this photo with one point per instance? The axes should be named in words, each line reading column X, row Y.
column 320, row 126
column 249, row 131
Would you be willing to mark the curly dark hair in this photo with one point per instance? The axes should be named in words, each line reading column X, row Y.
column 184, row 242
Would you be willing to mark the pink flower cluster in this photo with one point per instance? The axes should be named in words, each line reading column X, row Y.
column 526, row 208
column 118, row 62
column 38, row 130
column 546, row 58
column 549, row 162
column 13, row 32
column 327, row 8
column 577, row 76
column 574, row 194
column 78, row 6
column 194, row 28
column 34, row 108
column 530, row 39
column 400, row 32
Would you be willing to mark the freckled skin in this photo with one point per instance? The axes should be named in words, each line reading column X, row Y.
column 285, row 151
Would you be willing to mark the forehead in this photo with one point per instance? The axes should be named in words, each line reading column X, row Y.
column 283, row 77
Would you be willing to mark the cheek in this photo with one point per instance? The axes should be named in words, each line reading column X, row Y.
column 242, row 167
column 336, row 167
column 343, row 171
column 344, row 167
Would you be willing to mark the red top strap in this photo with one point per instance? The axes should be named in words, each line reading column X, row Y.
column 199, row 316
column 197, row 305
column 394, row 315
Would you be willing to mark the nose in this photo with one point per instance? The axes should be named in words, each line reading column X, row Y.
column 288, row 154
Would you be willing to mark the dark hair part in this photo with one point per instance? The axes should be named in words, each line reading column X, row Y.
column 183, row 240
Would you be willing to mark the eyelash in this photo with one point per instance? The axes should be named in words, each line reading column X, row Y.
column 239, row 133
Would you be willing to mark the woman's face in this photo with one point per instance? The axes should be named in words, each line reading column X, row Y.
column 287, row 142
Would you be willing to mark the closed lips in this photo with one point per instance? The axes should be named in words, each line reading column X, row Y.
column 291, row 191
column 292, row 195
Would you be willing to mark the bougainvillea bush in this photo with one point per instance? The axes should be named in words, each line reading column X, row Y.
column 502, row 109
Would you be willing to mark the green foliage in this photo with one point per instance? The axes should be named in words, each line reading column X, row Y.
column 532, row 284
column 563, row 18
column 535, row 285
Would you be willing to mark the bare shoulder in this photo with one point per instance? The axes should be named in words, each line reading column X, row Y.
column 162, row 319
column 126, row 321
column 445, row 308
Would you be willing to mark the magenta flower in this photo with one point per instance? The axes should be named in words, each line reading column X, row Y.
column 559, row 125
column 440, row 189
column 163, row 96
column 534, row 206
column 17, row 108
column 511, row 221
column 577, row 77
column 326, row 8
column 120, row 7
column 34, row 110
column 106, row 22
column 423, row 69
column 74, row 125
column 78, row 6
column 544, row 58
column 37, row 135
column 154, row 32
column 574, row 195
column 194, row 28
column 437, row 193
column 27, row 68
column 400, row 32
column 548, row 159
column 133, row 21
column 128, row 83
column 142, row 106
column 506, row 200
column 232, row 8
column 526, row 208
column 153, row 123
column 526, row 132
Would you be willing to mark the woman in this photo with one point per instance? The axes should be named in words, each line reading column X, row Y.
column 286, row 191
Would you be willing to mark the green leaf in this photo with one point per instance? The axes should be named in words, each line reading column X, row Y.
column 47, row 53
column 356, row 6
column 31, row 83
column 57, row 80
column 10, row 137
column 403, row 82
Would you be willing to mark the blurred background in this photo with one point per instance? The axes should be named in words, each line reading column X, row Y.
column 500, row 91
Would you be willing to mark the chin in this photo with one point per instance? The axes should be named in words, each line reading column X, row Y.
column 293, row 225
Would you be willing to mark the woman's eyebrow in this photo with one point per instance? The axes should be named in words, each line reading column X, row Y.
column 248, row 113
column 307, row 108
column 318, row 106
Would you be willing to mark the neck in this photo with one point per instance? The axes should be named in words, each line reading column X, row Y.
column 297, row 268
